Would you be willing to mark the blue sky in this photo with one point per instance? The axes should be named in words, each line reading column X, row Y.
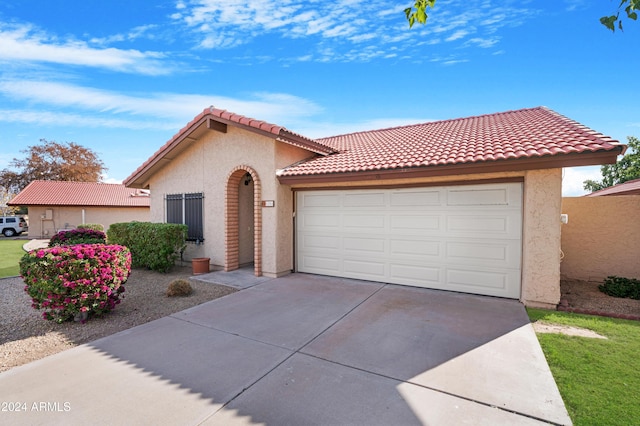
column 122, row 77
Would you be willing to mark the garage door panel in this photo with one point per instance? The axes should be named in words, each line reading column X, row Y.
column 485, row 195
column 320, row 200
column 420, row 248
column 324, row 221
column 321, row 264
column 414, row 223
column 477, row 197
column 327, row 242
column 360, row 244
column 416, row 198
column 477, row 278
column 365, row 269
column 477, row 224
column 489, row 226
column 464, row 238
column 490, row 282
column 504, row 254
column 367, row 199
column 374, row 222
column 420, row 276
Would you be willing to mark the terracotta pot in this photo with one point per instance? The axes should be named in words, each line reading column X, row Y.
column 200, row 265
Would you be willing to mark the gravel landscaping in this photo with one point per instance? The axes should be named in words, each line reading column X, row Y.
column 585, row 297
column 25, row 336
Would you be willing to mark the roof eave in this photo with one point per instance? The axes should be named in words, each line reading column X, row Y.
column 140, row 178
column 531, row 163
column 115, row 206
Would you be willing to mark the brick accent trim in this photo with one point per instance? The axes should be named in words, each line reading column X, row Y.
column 232, row 233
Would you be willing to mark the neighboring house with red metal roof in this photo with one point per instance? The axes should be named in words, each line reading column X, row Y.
column 469, row 205
column 55, row 205
column 630, row 187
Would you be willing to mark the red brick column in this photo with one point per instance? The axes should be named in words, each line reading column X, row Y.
column 232, row 235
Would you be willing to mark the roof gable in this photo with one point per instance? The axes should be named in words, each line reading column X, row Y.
column 86, row 194
column 218, row 119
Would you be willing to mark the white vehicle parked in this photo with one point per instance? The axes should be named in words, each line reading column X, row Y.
column 12, row 225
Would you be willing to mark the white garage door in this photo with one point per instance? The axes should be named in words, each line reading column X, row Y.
column 459, row 238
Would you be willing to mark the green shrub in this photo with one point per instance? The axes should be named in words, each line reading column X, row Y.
column 155, row 246
column 94, row 226
column 77, row 236
column 621, row 287
column 82, row 279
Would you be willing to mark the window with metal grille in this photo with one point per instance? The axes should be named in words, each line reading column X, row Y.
column 187, row 209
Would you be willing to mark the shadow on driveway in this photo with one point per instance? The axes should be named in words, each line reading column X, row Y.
column 305, row 349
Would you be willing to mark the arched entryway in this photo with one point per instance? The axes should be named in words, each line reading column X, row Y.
column 243, row 220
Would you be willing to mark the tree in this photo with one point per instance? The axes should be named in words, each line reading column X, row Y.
column 418, row 12
column 627, row 168
column 5, row 197
column 52, row 161
column 630, row 7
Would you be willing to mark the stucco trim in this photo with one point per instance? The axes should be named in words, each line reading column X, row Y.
column 378, row 185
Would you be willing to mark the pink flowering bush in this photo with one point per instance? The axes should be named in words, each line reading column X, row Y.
column 68, row 280
column 69, row 237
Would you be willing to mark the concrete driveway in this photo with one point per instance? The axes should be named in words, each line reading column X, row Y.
column 302, row 350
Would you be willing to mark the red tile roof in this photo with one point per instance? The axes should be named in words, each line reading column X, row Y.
column 630, row 187
column 507, row 141
column 279, row 133
column 282, row 133
column 86, row 194
column 513, row 135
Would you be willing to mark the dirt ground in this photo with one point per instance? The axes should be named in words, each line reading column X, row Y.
column 585, row 296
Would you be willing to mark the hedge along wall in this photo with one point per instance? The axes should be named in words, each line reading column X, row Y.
column 602, row 237
column 153, row 245
column 78, row 236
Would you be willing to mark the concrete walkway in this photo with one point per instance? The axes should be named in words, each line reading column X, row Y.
column 302, row 349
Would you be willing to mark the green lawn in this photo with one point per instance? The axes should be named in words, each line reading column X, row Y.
column 599, row 379
column 10, row 254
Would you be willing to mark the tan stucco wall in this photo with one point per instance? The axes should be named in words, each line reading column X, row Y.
column 541, row 227
column 205, row 166
column 541, row 238
column 602, row 237
column 70, row 217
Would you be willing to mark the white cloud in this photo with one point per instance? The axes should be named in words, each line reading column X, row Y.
column 69, row 119
column 573, row 178
column 107, row 179
column 495, row 19
column 221, row 24
column 457, row 35
column 135, row 33
column 325, row 129
column 71, row 105
column 455, row 61
column 25, row 43
column 485, row 43
column 573, row 5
